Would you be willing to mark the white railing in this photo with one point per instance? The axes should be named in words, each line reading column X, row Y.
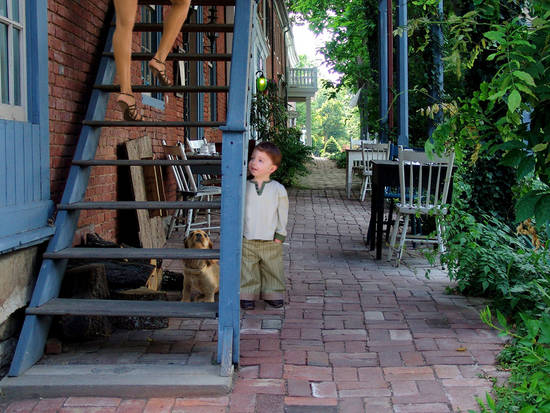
column 302, row 78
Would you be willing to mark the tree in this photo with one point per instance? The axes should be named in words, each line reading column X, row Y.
column 353, row 40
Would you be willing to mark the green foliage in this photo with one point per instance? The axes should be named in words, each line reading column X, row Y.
column 339, row 158
column 269, row 119
column 508, row 56
column 487, row 258
column 331, row 146
column 351, row 25
column 486, row 188
column 528, row 359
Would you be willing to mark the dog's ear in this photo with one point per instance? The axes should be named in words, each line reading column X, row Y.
column 210, row 245
column 186, row 241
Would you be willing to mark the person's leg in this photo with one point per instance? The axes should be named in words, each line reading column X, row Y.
column 122, row 41
column 250, row 272
column 171, row 28
column 272, row 272
column 122, row 49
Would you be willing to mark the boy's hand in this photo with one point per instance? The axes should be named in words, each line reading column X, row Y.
column 277, row 241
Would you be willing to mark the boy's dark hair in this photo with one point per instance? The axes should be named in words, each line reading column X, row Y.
column 272, row 151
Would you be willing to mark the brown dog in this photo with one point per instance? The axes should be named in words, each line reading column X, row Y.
column 201, row 275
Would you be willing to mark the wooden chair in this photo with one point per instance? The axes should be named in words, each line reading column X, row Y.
column 187, row 187
column 424, row 188
column 370, row 152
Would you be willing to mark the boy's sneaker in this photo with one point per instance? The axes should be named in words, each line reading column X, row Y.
column 275, row 303
column 247, row 304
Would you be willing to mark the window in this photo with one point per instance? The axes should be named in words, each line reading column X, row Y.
column 149, row 44
column 12, row 60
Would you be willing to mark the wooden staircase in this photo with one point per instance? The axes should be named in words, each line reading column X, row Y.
column 45, row 302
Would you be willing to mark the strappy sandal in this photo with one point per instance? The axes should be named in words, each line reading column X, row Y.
column 160, row 74
column 129, row 112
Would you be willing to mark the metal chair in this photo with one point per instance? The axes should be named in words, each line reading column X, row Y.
column 187, row 187
column 424, row 188
column 369, row 152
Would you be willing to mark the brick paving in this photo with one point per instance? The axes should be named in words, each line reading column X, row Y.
column 356, row 335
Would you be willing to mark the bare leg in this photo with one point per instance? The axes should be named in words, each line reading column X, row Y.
column 122, row 43
column 171, row 28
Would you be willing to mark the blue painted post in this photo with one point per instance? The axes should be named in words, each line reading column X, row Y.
column 383, row 68
column 403, row 138
column 35, row 329
column 234, row 159
column 437, row 88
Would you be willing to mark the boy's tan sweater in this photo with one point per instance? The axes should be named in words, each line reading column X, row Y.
column 265, row 211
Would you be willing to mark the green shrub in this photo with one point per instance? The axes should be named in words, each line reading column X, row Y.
column 331, row 146
column 528, row 360
column 487, row 258
column 269, row 119
column 340, row 158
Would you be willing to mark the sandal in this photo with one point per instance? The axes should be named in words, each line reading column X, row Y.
column 129, row 112
column 160, row 74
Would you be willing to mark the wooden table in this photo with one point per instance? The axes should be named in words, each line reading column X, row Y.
column 385, row 174
column 211, row 166
column 353, row 158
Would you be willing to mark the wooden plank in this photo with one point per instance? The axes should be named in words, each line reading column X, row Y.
column 127, row 308
column 3, row 166
column 154, row 188
column 186, row 28
column 134, row 253
column 226, row 368
column 36, row 167
column 155, row 124
column 10, row 164
column 191, row 57
column 151, row 229
column 27, row 160
column 142, row 162
column 150, row 205
column 165, row 89
column 193, row 3
column 19, row 162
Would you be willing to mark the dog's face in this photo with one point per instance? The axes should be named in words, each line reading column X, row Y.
column 198, row 239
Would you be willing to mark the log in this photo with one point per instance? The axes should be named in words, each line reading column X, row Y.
column 86, row 281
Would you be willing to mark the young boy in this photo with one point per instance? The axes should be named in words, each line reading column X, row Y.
column 265, row 218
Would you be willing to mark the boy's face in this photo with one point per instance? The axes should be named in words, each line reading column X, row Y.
column 261, row 166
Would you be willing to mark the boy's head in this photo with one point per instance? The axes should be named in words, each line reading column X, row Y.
column 265, row 160
column 270, row 150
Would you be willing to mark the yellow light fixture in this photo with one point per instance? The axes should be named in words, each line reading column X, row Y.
column 261, row 81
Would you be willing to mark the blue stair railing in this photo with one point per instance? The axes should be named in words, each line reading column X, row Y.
column 45, row 302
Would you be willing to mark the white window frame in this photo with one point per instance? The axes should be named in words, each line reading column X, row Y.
column 11, row 111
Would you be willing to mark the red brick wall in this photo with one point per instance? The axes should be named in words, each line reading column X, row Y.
column 73, row 58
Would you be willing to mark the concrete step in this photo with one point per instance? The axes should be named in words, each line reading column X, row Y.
column 117, row 380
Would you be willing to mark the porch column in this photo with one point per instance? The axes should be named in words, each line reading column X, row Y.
column 308, row 121
column 403, row 138
column 383, row 68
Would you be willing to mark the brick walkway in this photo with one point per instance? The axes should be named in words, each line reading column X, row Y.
column 356, row 335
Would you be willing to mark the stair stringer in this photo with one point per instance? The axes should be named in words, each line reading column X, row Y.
column 32, row 339
column 234, row 165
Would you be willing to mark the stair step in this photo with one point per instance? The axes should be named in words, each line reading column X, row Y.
column 188, row 28
column 198, row 166
column 133, row 253
column 193, row 2
column 166, row 89
column 141, row 205
column 141, row 56
column 147, row 162
column 144, row 124
column 125, row 308
column 118, row 380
